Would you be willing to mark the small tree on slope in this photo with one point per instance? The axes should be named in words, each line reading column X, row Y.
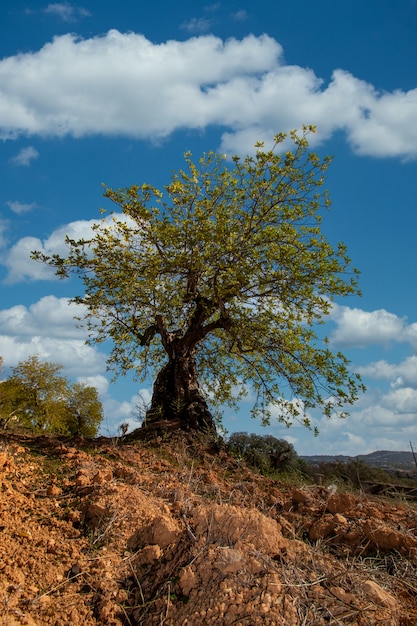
column 217, row 282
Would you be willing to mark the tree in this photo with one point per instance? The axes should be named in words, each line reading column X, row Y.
column 40, row 392
column 217, row 283
column 11, row 400
column 84, row 411
column 40, row 399
column 265, row 452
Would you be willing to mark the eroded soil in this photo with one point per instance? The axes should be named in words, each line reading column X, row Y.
column 171, row 533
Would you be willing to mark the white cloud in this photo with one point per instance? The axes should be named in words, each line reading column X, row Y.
column 18, row 260
column 20, row 207
column 126, row 411
column 49, row 317
column 21, row 267
column 98, row 381
column 121, row 410
column 410, row 334
column 378, row 422
column 25, row 156
column 123, row 84
column 381, row 126
column 383, row 419
column 358, row 328
column 47, row 328
column 67, row 12
column 404, row 373
column 403, row 401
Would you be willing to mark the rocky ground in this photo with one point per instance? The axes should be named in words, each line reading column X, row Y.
column 172, row 533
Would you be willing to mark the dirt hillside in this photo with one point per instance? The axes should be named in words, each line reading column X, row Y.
column 171, row 533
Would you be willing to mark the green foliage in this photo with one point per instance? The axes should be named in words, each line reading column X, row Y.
column 42, row 400
column 351, row 473
column 265, row 452
column 228, row 267
column 11, row 398
column 84, row 410
column 41, row 393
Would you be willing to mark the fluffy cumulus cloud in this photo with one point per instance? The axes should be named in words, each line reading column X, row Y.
column 389, row 413
column 123, row 84
column 390, row 416
column 47, row 328
column 379, row 421
column 399, row 374
column 358, row 328
column 410, row 335
column 386, row 415
column 403, row 401
column 98, row 381
column 18, row 260
column 49, row 317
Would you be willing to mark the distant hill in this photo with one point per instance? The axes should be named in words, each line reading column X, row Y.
column 383, row 459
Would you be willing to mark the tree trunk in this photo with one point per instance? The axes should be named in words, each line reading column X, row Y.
column 177, row 397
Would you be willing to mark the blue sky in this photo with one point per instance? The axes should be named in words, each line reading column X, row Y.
column 100, row 91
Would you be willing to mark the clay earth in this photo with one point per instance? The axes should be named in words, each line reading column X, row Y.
column 170, row 532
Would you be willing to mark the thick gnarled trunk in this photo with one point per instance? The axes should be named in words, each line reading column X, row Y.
column 177, row 397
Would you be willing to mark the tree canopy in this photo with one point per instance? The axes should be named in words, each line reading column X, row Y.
column 36, row 396
column 217, row 283
column 265, row 452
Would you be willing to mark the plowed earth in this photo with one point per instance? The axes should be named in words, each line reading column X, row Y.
column 171, row 533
